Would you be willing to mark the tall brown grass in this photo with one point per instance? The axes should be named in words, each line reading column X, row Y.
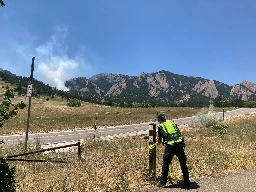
column 121, row 164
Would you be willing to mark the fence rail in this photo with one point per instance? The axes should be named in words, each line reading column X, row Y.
column 36, row 160
column 10, row 157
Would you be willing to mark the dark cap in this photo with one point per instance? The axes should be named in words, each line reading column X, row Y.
column 161, row 117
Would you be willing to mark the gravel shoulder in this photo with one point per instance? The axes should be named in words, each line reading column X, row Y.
column 242, row 181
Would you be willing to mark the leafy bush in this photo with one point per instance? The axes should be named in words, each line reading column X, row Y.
column 250, row 104
column 205, row 118
column 8, row 110
column 7, row 181
column 72, row 102
column 219, row 128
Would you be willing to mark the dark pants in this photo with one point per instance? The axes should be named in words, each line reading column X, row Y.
column 169, row 152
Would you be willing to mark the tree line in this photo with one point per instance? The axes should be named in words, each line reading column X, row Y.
column 42, row 90
column 139, row 101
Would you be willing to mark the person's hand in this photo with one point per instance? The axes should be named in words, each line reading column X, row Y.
column 151, row 147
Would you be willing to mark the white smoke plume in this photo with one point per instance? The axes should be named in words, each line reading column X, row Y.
column 54, row 65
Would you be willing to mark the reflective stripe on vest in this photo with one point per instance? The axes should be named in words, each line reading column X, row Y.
column 170, row 133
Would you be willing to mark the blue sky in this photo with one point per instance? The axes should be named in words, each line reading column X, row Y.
column 213, row 39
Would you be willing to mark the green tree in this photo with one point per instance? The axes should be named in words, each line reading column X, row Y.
column 7, row 181
column 237, row 103
column 121, row 104
column 221, row 102
column 72, row 102
column 250, row 104
column 129, row 104
column 217, row 101
column 152, row 104
column 19, row 90
column 8, row 110
column 225, row 103
column 2, row 3
column 109, row 103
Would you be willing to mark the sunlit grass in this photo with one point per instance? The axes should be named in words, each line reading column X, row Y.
column 121, row 164
column 54, row 115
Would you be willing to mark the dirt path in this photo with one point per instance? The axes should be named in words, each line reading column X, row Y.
column 242, row 181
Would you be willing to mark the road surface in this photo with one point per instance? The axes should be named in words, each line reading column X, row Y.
column 83, row 134
column 242, row 181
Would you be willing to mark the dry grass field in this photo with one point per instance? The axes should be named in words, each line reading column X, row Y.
column 54, row 115
column 121, row 164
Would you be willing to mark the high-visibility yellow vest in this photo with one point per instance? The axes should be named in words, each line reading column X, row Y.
column 170, row 132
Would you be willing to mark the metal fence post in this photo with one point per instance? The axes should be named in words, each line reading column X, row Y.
column 152, row 152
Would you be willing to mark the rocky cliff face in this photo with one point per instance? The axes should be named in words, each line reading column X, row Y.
column 162, row 86
column 244, row 90
column 207, row 89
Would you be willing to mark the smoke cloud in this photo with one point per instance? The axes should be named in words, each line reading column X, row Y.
column 54, row 65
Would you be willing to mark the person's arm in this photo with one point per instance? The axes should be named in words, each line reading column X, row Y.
column 159, row 140
column 159, row 136
column 177, row 128
column 183, row 140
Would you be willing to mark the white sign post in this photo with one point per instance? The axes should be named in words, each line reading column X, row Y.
column 29, row 91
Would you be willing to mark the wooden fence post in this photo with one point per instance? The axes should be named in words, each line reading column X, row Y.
column 223, row 115
column 79, row 150
column 152, row 152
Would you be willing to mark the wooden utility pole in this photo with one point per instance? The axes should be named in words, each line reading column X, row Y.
column 152, row 152
column 29, row 93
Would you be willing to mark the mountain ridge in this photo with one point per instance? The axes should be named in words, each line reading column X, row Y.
column 161, row 86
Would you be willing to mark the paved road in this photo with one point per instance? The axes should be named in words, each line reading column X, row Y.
column 242, row 181
column 71, row 136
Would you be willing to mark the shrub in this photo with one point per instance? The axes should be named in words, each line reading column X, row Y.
column 8, row 110
column 205, row 118
column 72, row 102
column 219, row 128
column 250, row 104
column 7, row 182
